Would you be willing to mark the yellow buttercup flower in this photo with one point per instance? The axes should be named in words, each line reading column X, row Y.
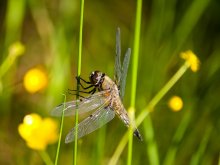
column 38, row 132
column 191, row 59
column 175, row 103
column 35, row 80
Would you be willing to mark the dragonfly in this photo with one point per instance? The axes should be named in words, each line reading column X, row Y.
column 105, row 99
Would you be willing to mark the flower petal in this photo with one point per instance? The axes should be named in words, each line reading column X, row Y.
column 192, row 60
column 38, row 132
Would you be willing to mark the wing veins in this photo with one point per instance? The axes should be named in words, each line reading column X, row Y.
column 100, row 117
column 87, row 104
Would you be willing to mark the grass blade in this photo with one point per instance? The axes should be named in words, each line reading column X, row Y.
column 78, row 74
column 134, row 75
column 61, row 131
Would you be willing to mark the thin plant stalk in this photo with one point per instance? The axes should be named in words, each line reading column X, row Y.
column 13, row 27
column 151, row 147
column 136, row 52
column 99, row 149
column 14, row 20
column 45, row 157
column 219, row 159
column 119, row 149
column 178, row 136
column 134, row 75
column 191, row 18
column 61, row 131
column 197, row 157
column 78, row 74
column 149, row 108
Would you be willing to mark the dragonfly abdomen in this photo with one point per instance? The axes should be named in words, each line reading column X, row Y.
column 120, row 110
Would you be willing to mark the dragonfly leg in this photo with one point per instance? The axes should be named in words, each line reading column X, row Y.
column 88, row 92
column 87, row 82
column 77, row 95
column 92, row 91
column 90, row 86
column 73, row 90
column 79, row 78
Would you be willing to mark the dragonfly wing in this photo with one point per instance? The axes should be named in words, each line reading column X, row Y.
column 124, row 72
column 99, row 118
column 118, row 57
column 121, row 70
column 85, row 105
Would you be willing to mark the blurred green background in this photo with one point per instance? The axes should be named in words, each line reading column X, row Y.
column 49, row 31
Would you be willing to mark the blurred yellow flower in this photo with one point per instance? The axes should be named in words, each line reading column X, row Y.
column 192, row 60
column 175, row 103
column 16, row 49
column 38, row 132
column 34, row 80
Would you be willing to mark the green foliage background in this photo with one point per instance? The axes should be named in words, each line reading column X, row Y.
column 49, row 31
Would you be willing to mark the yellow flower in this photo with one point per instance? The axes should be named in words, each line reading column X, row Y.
column 191, row 59
column 38, row 132
column 175, row 103
column 16, row 49
column 35, row 80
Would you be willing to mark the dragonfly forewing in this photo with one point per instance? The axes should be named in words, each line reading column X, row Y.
column 118, row 68
column 121, row 70
column 99, row 118
column 85, row 105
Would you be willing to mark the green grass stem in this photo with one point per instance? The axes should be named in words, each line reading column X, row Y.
column 12, row 25
column 198, row 156
column 119, row 149
column 78, row 74
column 151, row 146
column 61, row 131
column 189, row 21
column 168, row 86
column 45, row 157
column 136, row 52
column 134, row 75
column 178, row 136
column 219, row 159
column 15, row 50
column 99, row 149
column 80, row 37
column 14, row 19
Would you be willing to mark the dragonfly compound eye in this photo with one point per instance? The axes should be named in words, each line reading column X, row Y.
column 96, row 77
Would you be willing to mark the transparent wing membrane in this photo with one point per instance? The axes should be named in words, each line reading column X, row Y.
column 121, row 70
column 99, row 118
column 118, row 57
column 124, row 72
column 85, row 105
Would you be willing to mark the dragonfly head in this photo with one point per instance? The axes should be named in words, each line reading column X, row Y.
column 96, row 78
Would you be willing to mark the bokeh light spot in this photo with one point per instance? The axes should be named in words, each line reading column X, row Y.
column 175, row 103
column 35, row 80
